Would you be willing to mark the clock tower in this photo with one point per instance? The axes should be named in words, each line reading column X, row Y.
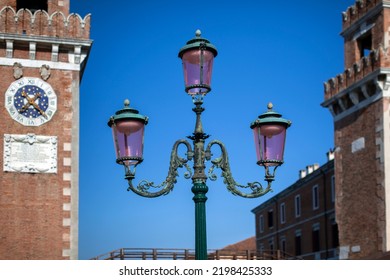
column 359, row 101
column 43, row 53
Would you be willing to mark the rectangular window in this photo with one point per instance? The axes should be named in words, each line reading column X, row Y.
column 298, row 245
column 315, row 239
column 364, row 44
column 335, row 236
column 270, row 218
column 283, row 245
column 316, row 199
column 261, row 223
column 282, row 213
column 297, row 206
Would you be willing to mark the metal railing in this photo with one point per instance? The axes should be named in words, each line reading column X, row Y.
column 189, row 254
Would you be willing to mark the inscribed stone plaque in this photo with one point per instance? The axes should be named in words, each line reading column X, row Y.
column 30, row 153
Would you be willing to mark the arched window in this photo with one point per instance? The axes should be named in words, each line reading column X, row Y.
column 32, row 5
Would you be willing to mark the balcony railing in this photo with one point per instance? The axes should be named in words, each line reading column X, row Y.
column 189, row 254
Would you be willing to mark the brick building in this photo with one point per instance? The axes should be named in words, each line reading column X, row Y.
column 43, row 53
column 300, row 220
column 358, row 100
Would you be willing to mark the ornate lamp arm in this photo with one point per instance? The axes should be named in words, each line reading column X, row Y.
column 222, row 162
column 165, row 187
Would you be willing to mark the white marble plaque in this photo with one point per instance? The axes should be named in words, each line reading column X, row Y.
column 30, row 153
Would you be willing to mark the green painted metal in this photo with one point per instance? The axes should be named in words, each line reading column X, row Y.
column 270, row 117
column 127, row 113
column 200, row 189
column 196, row 43
column 176, row 162
column 253, row 190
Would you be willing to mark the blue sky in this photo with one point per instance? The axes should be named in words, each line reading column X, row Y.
column 278, row 51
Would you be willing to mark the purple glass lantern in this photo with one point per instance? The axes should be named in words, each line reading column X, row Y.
column 270, row 134
column 197, row 58
column 128, row 133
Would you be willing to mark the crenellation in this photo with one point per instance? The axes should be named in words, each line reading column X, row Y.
column 40, row 23
column 356, row 11
column 359, row 70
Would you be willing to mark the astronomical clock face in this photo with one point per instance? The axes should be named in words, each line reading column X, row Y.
column 31, row 101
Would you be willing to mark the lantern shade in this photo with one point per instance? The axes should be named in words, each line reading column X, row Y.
column 270, row 147
column 128, row 134
column 197, row 59
column 270, row 134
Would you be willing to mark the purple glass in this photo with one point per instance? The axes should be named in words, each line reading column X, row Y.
column 129, row 141
column 192, row 70
column 269, row 141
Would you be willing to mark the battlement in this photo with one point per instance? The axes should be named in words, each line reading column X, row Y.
column 40, row 23
column 375, row 60
column 358, row 85
column 358, row 10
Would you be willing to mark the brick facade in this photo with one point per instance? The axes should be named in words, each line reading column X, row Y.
column 300, row 220
column 358, row 99
column 39, row 211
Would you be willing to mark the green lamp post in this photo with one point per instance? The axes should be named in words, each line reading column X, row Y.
column 128, row 133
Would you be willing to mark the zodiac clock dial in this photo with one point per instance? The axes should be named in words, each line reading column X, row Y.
column 31, row 101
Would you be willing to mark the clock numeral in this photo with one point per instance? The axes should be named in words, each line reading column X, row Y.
column 9, row 100
column 13, row 111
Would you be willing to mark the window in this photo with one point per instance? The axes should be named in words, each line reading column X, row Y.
column 261, row 223
column 316, row 199
column 283, row 245
column 315, row 237
column 335, row 235
column 298, row 244
column 32, row 5
column 297, row 206
column 270, row 218
column 364, row 44
column 282, row 213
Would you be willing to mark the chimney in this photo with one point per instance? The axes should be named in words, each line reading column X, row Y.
column 330, row 155
column 302, row 173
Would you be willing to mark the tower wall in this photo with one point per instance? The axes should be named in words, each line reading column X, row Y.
column 358, row 100
column 39, row 178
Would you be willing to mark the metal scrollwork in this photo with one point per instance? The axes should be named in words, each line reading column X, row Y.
column 222, row 162
column 143, row 188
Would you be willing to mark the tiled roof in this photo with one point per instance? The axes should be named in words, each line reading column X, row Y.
column 247, row 244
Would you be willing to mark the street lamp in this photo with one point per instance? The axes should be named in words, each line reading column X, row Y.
column 128, row 132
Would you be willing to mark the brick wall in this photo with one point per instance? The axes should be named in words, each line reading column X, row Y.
column 39, row 212
column 34, row 209
column 358, row 100
column 359, row 178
